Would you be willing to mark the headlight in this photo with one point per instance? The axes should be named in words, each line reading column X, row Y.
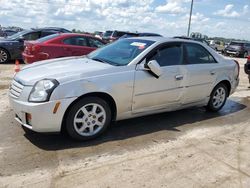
column 42, row 90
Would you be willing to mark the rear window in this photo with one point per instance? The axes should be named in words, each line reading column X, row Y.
column 236, row 44
column 43, row 39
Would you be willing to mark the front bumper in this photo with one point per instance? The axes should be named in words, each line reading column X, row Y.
column 43, row 119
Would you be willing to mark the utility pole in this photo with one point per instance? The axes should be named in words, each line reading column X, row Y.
column 190, row 17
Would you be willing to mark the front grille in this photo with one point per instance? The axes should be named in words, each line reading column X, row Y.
column 16, row 89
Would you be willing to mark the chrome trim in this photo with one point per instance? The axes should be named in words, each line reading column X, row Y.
column 15, row 89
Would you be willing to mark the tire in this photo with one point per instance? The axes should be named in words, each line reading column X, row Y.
column 245, row 55
column 218, row 98
column 88, row 118
column 4, row 56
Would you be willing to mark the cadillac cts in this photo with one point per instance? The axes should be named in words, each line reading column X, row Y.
column 128, row 78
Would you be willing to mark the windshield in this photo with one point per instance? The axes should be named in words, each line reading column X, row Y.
column 43, row 39
column 121, row 52
column 17, row 35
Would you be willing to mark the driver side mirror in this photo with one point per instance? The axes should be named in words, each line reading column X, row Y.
column 154, row 68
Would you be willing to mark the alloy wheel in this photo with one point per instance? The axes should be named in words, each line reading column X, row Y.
column 219, row 97
column 3, row 56
column 89, row 119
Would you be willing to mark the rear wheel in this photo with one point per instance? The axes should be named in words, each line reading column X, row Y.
column 88, row 118
column 218, row 98
column 4, row 56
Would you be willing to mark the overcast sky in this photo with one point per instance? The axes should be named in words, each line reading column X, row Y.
column 225, row 18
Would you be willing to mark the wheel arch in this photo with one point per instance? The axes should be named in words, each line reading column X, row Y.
column 105, row 96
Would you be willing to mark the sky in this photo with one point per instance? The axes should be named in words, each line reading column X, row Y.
column 221, row 18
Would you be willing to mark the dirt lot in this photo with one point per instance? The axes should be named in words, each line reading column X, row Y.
column 187, row 148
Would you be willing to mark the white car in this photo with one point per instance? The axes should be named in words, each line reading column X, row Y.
column 128, row 78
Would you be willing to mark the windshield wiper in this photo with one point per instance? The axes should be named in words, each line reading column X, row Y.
column 105, row 61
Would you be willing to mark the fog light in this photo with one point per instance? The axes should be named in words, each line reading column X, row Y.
column 28, row 119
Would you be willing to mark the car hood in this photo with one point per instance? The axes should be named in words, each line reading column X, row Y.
column 62, row 69
column 5, row 40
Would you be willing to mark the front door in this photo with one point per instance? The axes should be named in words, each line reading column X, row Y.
column 152, row 93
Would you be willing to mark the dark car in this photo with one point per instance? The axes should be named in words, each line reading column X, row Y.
column 238, row 49
column 247, row 68
column 149, row 35
column 7, row 32
column 60, row 45
column 110, row 36
column 140, row 35
column 12, row 47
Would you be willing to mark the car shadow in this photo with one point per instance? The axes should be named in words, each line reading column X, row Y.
column 125, row 129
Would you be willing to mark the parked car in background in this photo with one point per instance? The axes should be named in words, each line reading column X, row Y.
column 247, row 68
column 98, row 34
column 140, row 35
column 149, row 35
column 12, row 47
column 217, row 45
column 194, row 39
column 238, row 49
column 60, row 45
column 7, row 32
column 111, row 36
column 125, row 79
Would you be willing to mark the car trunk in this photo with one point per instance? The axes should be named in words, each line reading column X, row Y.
column 30, row 47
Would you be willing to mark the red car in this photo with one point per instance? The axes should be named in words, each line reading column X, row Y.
column 60, row 45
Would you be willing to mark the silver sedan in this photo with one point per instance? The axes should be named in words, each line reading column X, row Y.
column 128, row 78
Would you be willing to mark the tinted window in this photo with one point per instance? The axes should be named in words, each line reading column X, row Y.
column 168, row 55
column 76, row 41
column 196, row 54
column 95, row 43
column 46, row 33
column 32, row 36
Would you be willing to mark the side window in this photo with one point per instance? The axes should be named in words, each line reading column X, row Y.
column 32, row 36
column 76, row 41
column 95, row 43
column 46, row 33
column 168, row 55
column 196, row 54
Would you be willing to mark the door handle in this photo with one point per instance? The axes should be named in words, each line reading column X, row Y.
column 179, row 77
column 212, row 72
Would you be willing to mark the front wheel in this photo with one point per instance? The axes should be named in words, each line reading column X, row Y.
column 88, row 118
column 218, row 98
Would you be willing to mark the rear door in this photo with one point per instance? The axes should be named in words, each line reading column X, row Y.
column 200, row 72
column 151, row 93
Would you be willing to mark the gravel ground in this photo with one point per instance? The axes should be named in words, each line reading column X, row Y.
column 197, row 150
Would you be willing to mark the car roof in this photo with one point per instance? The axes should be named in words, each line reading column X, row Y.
column 76, row 34
column 50, row 28
column 165, row 39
